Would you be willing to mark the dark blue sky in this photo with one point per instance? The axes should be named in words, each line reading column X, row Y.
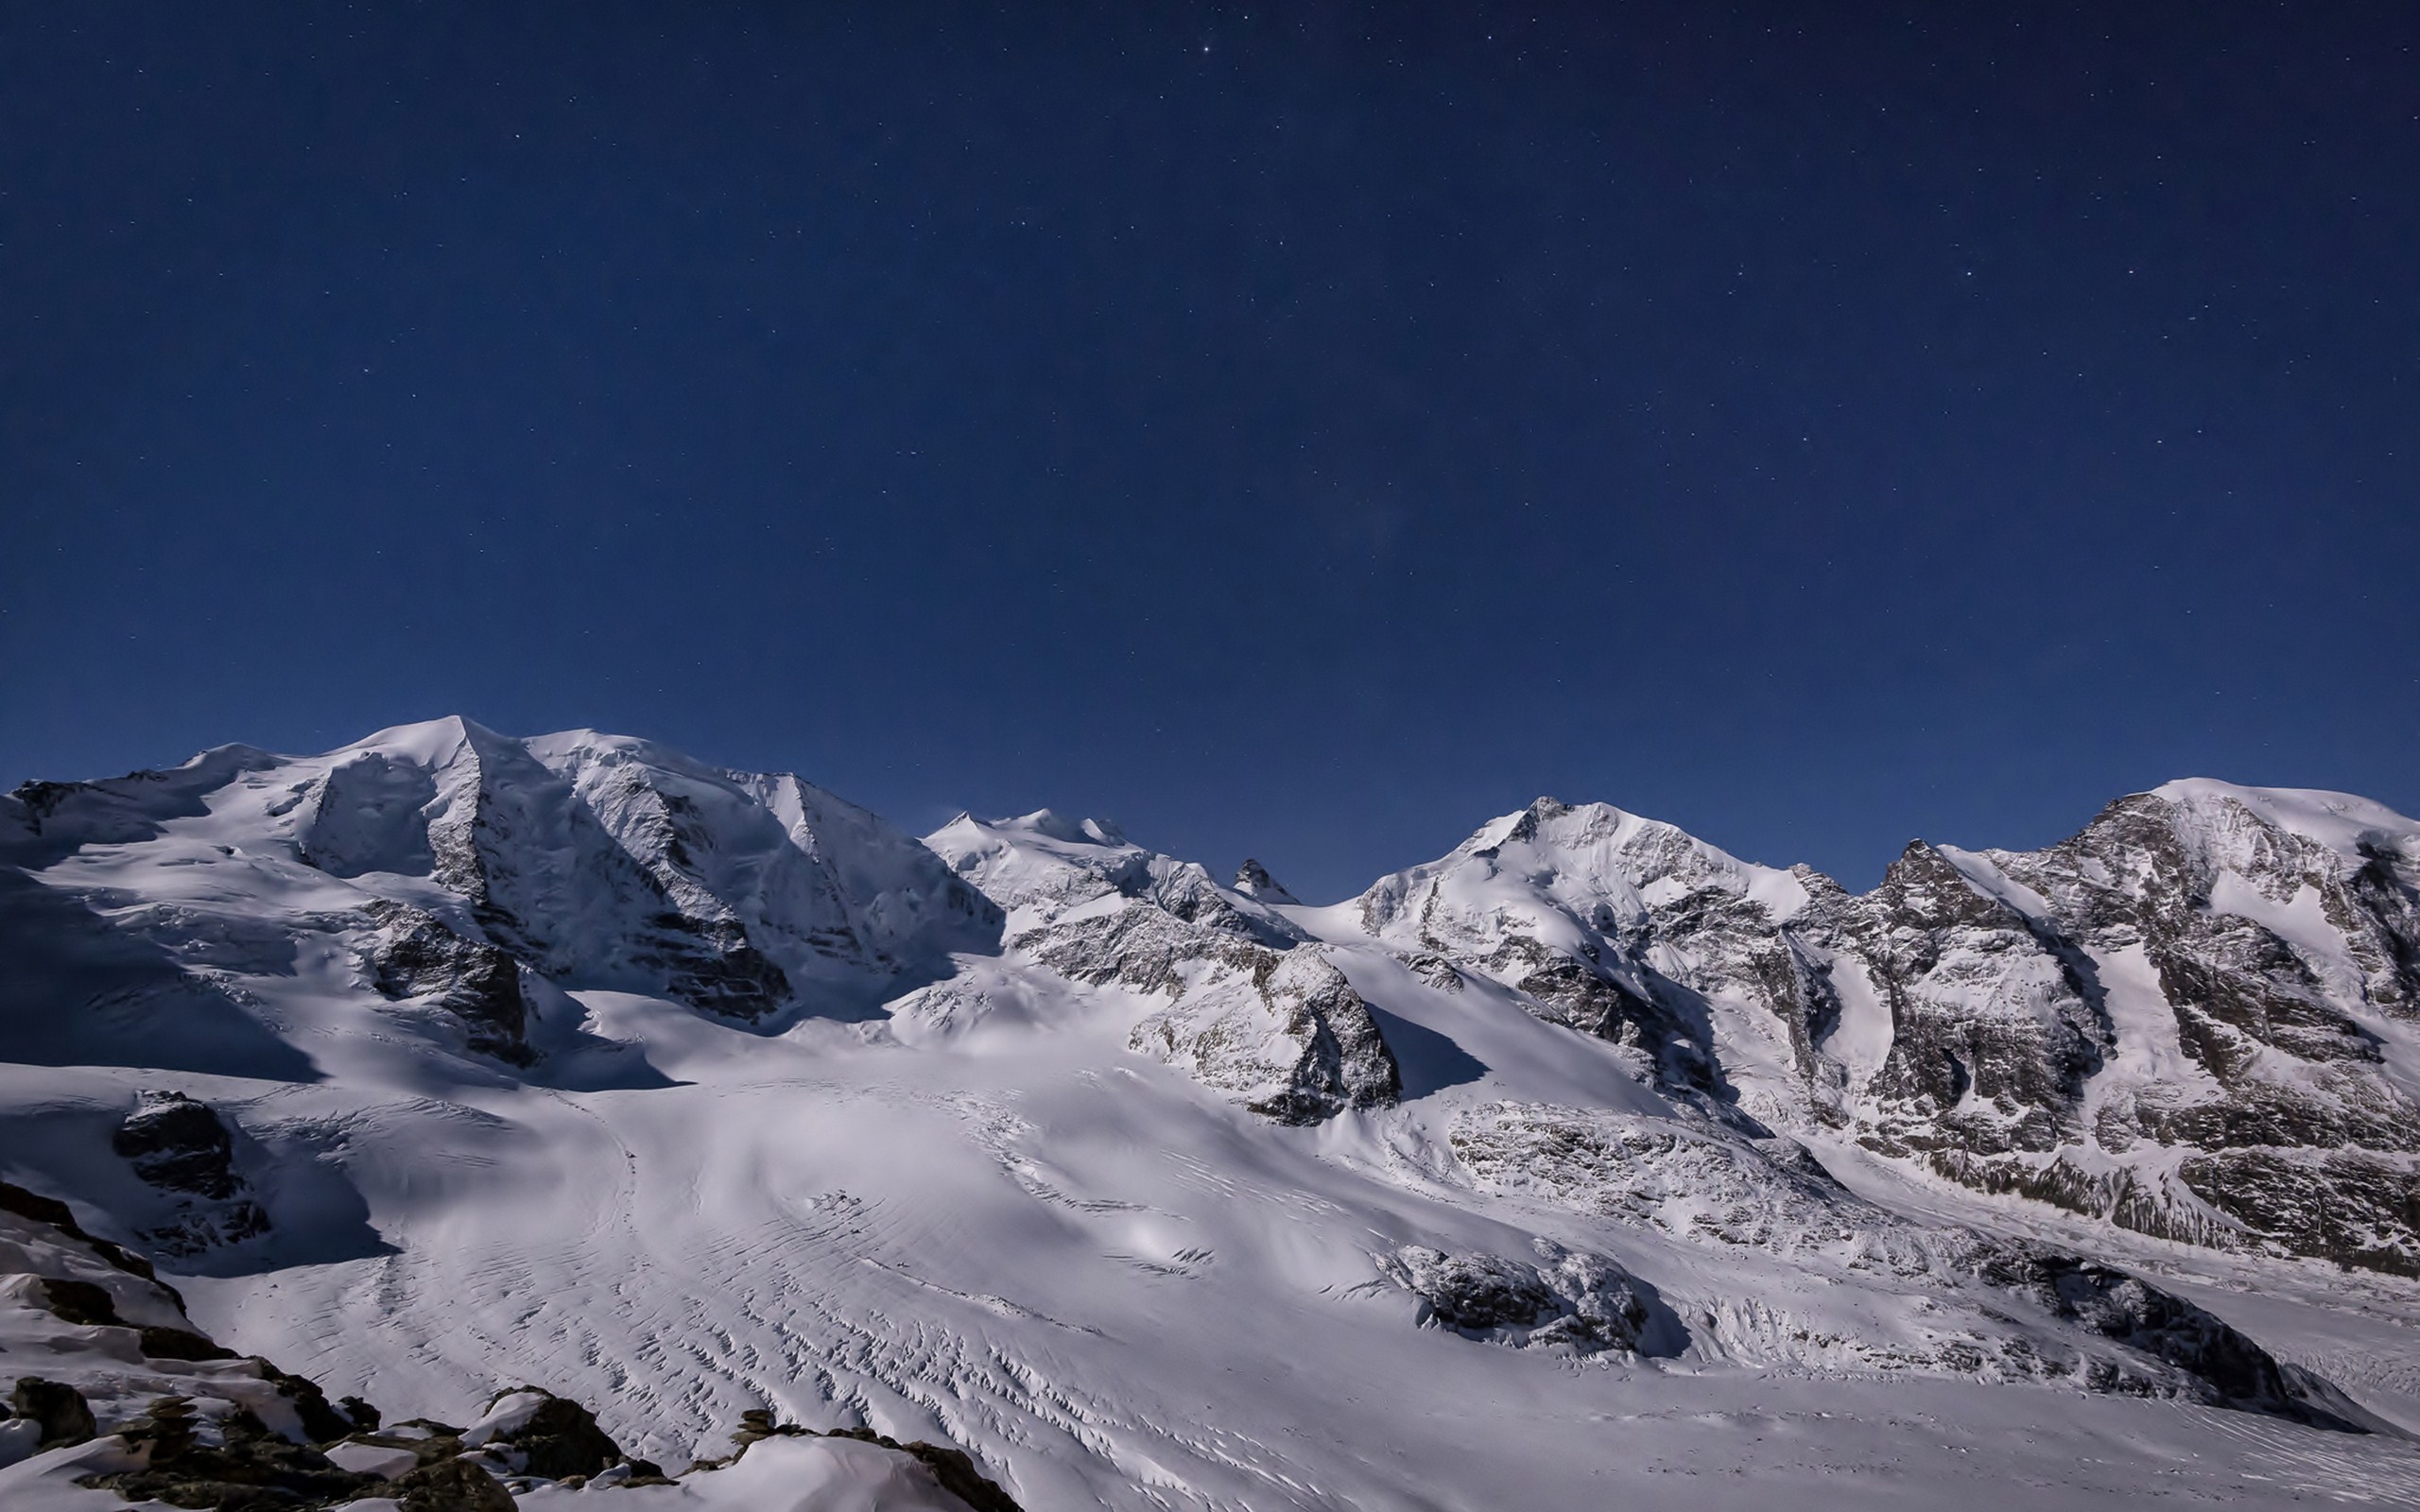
column 1294, row 432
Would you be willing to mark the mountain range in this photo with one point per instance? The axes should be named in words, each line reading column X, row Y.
column 568, row 1091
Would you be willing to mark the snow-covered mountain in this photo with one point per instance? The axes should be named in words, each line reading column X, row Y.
column 2198, row 1019
column 1252, row 1007
column 1586, row 1164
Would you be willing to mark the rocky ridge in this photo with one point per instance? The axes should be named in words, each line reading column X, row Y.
column 2187, row 1021
column 1247, row 1003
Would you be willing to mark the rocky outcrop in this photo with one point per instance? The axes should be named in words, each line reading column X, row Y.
column 2177, row 1021
column 182, row 1148
column 1577, row 1303
column 230, row 1461
column 119, row 1359
column 415, row 955
column 58, row 1412
column 2267, row 963
column 2231, row 1369
column 532, row 1431
column 1247, row 1005
column 1993, row 1036
column 1702, row 1181
column 1254, row 880
column 1281, row 1031
column 179, row 1144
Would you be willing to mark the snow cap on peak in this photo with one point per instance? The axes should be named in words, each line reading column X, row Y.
column 2345, row 823
column 1068, row 828
column 428, row 743
column 1524, row 824
column 1044, row 859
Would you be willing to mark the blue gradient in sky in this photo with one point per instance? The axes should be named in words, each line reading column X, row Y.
column 1301, row 437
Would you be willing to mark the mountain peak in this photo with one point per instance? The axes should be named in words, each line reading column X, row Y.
column 2342, row 821
column 1254, row 880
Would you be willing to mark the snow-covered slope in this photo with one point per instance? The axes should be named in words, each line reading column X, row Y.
column 1587, row 1165
column 118, row 1397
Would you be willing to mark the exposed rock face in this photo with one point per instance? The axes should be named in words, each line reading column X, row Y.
column 1254, row 880
column 240, row 1464
column 56, row 1409
column 2265, row 963
column 451, row 1486
column 2183, row 1019
column 1992, row 1038
column 111, row 1338
column 176, row 1142
column 182, row 1148
column 1283, row 1032
column 534, row 1432
column 1714, row 1185
column 1706, row 1183
column 2235, row 1372
column 1580, row 1303
column 1250, row 1007
column 417, row 955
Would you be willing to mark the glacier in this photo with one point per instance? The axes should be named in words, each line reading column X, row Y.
column 1586, row 1164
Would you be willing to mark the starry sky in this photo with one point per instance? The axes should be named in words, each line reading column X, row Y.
column 1296, row 431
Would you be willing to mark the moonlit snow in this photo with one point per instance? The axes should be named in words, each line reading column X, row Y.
column 1517, row 1182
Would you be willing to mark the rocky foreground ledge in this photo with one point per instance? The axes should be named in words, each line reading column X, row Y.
column 115, row 1396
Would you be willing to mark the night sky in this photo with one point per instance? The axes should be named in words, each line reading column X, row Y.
column 1301, row 432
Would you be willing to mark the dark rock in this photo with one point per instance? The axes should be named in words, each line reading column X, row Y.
column 758, row 1423
column 88, row 1303
column 1592, row 999
column 1584, row 1303
column 418, row 955
column 179, row 1144
column 163, row 1343
column 322, row 1423
column 252, row 1469
column 183, row 1147
column 450, row 1485
column 954, row 1467
column 560, row 1439
column 2353, row 1208
column 2287, row 1137
column 60, row 1410
column 1254, row 880
column 1230, row 986
column 78, row 1302
column 715, row 968
column 2237, row 1372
